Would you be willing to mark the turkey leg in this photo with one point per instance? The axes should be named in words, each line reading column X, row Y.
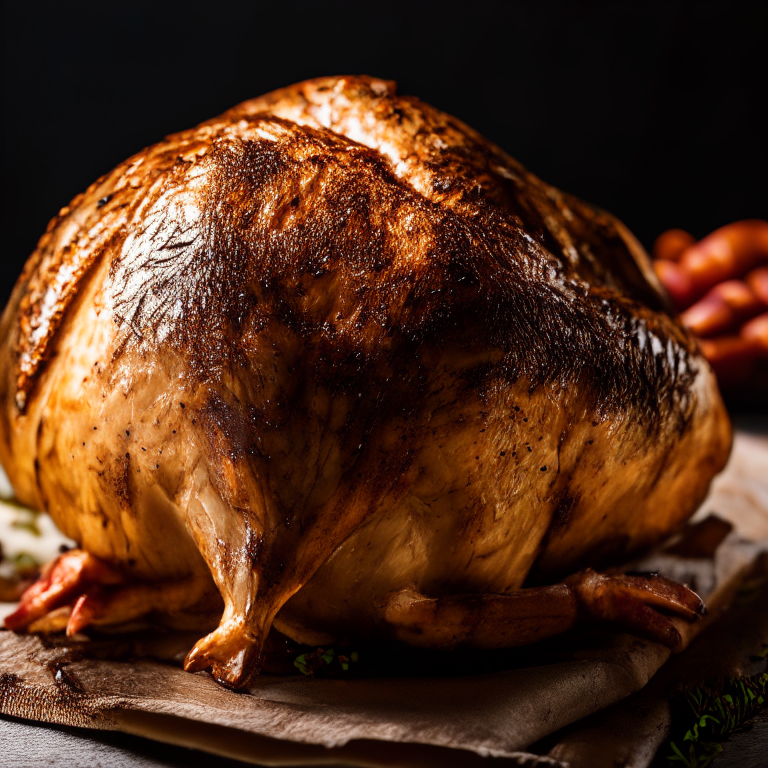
column 78, row 590
column 638, row 603
column 229, row 541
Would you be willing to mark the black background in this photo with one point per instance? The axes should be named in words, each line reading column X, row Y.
column 655, row 111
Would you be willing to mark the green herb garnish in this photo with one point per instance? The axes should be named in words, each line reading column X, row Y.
column 24, row 564
column 324, row 662
column 29, row 525
column 713, row 716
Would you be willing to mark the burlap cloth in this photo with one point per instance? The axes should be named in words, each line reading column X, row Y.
column 575, row 705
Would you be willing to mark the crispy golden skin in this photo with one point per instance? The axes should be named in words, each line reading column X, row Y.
column 332, row 352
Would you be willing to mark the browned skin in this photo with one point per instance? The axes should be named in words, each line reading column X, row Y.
column 339, row 353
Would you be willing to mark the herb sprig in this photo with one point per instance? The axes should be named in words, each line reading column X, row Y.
column 324, row 662
column 713, row 715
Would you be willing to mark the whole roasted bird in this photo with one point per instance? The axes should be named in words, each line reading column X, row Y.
column 341, row 361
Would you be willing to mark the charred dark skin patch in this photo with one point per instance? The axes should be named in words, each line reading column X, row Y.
column 304, row 204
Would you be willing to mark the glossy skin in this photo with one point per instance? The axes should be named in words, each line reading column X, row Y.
column 338, row 359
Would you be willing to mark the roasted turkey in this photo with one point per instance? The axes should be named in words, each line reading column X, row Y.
column 339, row 360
